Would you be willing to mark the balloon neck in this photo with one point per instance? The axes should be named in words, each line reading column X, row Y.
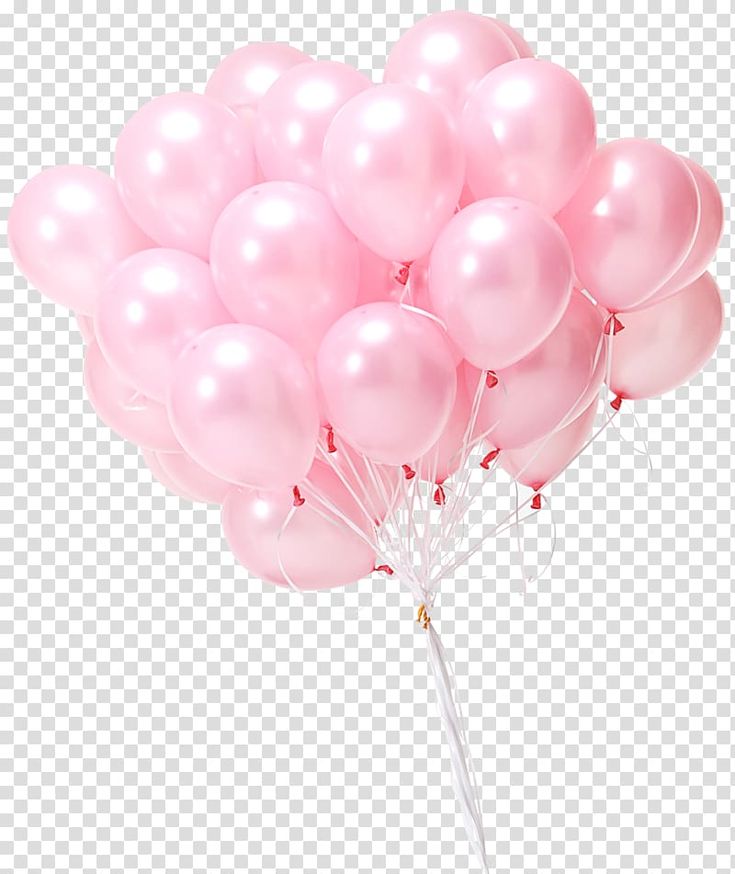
column 439, row 497
column 536, row 502
column 402, row 273
column 491, row 379
column 489, row 458
column 330, row 440
column 298, row 499
column 408, row 471
column 385, row 569
column 616, row 402
column 613, row 325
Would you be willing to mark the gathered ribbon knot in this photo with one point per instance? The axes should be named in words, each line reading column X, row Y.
column 423, row 618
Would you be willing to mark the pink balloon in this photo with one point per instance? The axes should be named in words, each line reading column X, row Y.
column 388, row 381
column 543, row 460
column 243, row 405
column 183, row 476
column 66, row 229
column 179, row 161
column 317, row 550
column 378, row 278
column 665, row 345
column 294, row 115
column 394, row 169
column 151, row 306
column 521, row 46
column 445, row 457
column 632, row 221
column 549, row 387
column 124, row 409
column 243, row 77
column 282, row 259
column 447, row 53
column 706, row 239
column 86, row 327
column 500, row 277
column 529, row 131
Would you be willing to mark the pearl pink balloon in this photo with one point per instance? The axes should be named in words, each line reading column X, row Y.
column 151, row 306
column 388, row 381
column 529, row 131
column 282, row 259
column 394, row 169
column 378, row 278
column 445, row 456
column 706, row 239
column 66, row 229
column 446, row 54
column 243, row 405
column 183, row 476
column 243, row 77
column 86, row 327
column 549, row 387
column 500, row 277
column 294, row 115
column 632, row 222
column 521, row 46
column 663, row 346
column 317, row 550
column 179, row 161
column 124, row 409
column 543, row 460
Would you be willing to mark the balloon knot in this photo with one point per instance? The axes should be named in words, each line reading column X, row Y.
column 616, row 403
column 491, row 456
column 408, row 471
column 491, row 379
column 401, row 275
column 613, row 325
column 536, row 502
column 330, row 439
column 385, row 568
column 298, row 500
column 439, row 497
column 423, row 618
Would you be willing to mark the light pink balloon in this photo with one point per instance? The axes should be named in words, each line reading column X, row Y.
column 179, row 161
column 86, row 327
column 294, row 115
column 663, row 346
column 242, row 78
column 317, row 550
column 182, row 475
column 445, row 456
column 243, row 405
column 706, row 240
column 124, row 409
column 551, row 386
column 500, row 277
column 632, row 221
column 529, row 131
column 447, row 53
column 388, row 381
column 67, row 228
column 543, row 460
column 521, row 46
column 151, row 306
column 378, row 278
column 394, row 169
column 282, row 259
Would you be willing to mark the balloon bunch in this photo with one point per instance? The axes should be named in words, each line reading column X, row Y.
column 328, row 305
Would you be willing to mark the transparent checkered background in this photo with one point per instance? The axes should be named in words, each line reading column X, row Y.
column 162, row 712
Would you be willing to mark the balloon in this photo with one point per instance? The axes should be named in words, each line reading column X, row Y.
column 445, row 456
column 388, row 381
column 242, row 404
column 632, row 221
column 151, row 306
column 317, row 549
column 86, row 327
column 706, row 239
column 378, row 278
column 551, row 386
column 183, row 476
column 500, row 277
column 243, row 77
column 543, row 460
column 124, row 409
column 447, row 53
column 282, row 259
column 294, row 115
column 665, row 345
column 179, row 160
column 66, row 229
column 394, row 169
column 521, row 46
column 529, row 131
